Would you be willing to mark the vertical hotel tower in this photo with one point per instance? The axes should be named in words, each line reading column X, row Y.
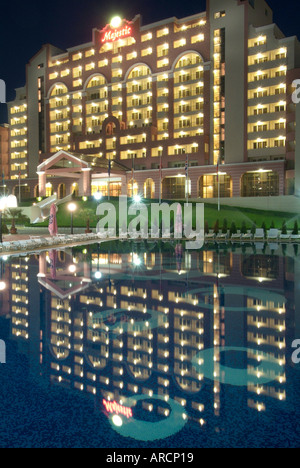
column 214, row 90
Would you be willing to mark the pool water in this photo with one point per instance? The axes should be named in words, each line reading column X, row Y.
column 137, row 345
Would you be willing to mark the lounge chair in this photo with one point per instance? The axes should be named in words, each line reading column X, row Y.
column 211, row 236
column 247, row 236
column 222, row 236
column 259, row 234
column 295, row 238
column 273, row 235
column 236, row 237
column 285, row 237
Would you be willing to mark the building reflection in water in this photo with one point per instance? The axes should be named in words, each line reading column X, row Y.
column 129, row 329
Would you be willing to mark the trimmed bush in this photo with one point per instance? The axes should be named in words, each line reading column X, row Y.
column 225, row 226
column 296, row 229
column 206, row 227
column 233, row 229
column 244, row 228
column 284, row 229
column 216, row 227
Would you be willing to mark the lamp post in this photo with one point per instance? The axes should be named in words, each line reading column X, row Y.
column 6, row 202
column 72, row 208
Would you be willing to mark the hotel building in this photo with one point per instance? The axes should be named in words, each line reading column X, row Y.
column 127, row 111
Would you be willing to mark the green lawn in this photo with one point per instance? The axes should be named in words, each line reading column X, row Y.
column 87, row 210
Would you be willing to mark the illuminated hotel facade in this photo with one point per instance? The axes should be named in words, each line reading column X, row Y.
column 213, row 87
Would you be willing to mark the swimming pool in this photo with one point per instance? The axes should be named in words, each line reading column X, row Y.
column 149, row 345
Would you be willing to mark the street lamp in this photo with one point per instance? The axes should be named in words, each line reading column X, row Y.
column 5, row 203
column 72, row 208
column 98, row 196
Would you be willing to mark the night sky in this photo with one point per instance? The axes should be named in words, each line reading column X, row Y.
column 26, row 26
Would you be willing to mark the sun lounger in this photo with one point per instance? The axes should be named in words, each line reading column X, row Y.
column 273, row 234
column 259, row 234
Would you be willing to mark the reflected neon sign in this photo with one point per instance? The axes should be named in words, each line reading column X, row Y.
column 115, row 408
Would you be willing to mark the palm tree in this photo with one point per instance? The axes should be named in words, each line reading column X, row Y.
column 13, row 213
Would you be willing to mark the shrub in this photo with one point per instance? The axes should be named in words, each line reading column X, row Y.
column 216, row 227
column 233, row 228
column 225, row 226
column 264, row 227
column 272, row 225
column 4, row 229
column 253, row 228
column 284, row 229
column 244, row 228
column 206, row 228
column 296, row 229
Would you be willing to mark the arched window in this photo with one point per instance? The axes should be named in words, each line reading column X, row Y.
column 175, row 188
column 61, row 191
column 75, row 189
column 132, row 188
column 49, row 189
column 149, row 189
column 263, row 183
column 208, row 186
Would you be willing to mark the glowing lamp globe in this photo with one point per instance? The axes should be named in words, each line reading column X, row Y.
column 116, row 22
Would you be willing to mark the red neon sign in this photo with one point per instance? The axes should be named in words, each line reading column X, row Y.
column 111, row 34
column 114, row 407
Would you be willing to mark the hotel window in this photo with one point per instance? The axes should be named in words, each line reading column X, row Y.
column 65, row 73
column 281, row 72
column 281, row 54
column 90, row 53
column 146, row 52
column 208, row 186
column 260, row 144
column 90, row 66
column 198, row 38
column 280, row 90
column 131, row 56
column 77, row 56
column 260, row 184
column 280, row 143
column 103, row 63
column 146, row 37
column 260, row 128
column 260, row 111
column 261, row 60
column 163, row 50
column 260, row 93
column 280, row 108
column 162, row 63
column 260, row 41
column 220, row 14
column 261, row 76
column 179, row 43
column 77, row 72
column 162, row 32
column 280, row 125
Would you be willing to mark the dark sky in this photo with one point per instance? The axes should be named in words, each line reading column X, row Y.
column 26, row 26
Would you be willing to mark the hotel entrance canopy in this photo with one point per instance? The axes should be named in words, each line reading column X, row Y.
column 79, row 167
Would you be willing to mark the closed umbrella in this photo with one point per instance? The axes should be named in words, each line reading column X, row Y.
column 53, row 260
column 179, row 255
column 53, row 221
column 178, row 222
